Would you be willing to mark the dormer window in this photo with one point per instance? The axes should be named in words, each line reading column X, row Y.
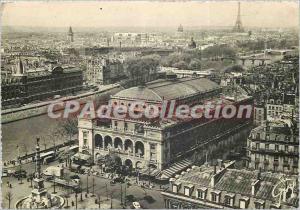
column 259, row 204
column 215, row 196
column 244, row 202
column 188, row 189
column 229, row 199
column 176, row 187
column 201, row 193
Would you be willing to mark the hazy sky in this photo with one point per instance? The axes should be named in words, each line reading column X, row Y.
column 143, row 13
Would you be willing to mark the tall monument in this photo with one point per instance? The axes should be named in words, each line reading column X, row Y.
column 39, row 198
column 238, row 27
column 39, row 190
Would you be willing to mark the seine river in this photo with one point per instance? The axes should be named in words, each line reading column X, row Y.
column 23, row 133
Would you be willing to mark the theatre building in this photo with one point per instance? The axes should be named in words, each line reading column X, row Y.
column 157, row 144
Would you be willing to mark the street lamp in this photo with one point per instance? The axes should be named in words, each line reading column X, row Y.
column 125, row 193
column 121, row 195
column 93, row 185
column 54, row 183
column 111, row 203
column 76, row 195
column 99, row 202
column 106, row 188
column 87, row 183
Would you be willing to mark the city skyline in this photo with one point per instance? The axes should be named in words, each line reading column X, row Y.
column 149, row 14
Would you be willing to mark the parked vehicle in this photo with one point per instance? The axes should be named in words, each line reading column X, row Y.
column 54, row 171
column 74, row 149
column 136, row 205
column 68, row 184
column 4, row 172
column 75, row 178
column 48, row 157
column 10, row 172
column 20, row 173
column 76, row 168
column 119, row 179
column 56, row 97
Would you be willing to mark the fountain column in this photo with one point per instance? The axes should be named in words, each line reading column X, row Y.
column 39, row 190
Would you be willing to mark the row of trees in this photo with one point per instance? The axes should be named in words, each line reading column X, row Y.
column 261, row 44
column 141, row 68
column 197, row 59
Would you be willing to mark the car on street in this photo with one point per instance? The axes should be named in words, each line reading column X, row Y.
column 119, row 179
column 136, row 205
column 20, row 174
column 4, row 172
column 76, row 169
column 56, row 96
column 75, row 178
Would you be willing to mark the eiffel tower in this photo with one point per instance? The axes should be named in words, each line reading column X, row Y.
column 238, row 24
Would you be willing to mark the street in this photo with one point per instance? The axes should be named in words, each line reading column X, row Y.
column 148, row 198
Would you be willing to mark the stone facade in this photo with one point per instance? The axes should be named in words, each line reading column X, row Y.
column 273, row 147
column 27, row 86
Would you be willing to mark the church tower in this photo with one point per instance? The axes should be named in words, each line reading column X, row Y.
column 70, row 35
column 19, row 68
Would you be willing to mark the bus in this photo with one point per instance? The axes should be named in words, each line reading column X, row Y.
column 48, row 157
column 74, row 149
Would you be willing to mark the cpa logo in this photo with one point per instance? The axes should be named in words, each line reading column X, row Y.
column 284, row 189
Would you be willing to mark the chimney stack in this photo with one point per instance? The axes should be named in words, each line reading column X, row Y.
column 259, row 174
column 255, row 187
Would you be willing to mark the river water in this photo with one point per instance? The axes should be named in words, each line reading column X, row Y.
column 23, row 133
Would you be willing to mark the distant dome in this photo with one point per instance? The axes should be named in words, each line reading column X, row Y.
column 180, row 28
column 139, row 93
column 192, row 44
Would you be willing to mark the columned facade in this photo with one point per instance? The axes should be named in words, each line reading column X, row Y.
column 135, row 151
